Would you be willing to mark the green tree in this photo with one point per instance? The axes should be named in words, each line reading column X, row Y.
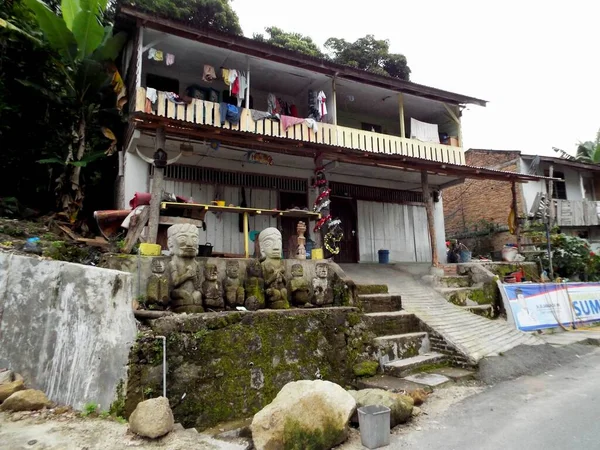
column 291, row 41
column 370, row 54
column 84, row 49
column 589, row 151
column 211, row 14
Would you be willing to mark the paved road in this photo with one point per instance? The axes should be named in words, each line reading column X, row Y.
column 556, row 410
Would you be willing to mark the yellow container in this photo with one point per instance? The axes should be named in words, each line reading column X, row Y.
column 150, row 249
column 316, row 253
column 218, row 202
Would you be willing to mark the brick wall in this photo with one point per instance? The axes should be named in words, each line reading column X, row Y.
column 475, row 200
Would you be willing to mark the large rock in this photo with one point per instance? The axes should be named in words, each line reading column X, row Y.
column 7, row 376
column 152, row 418
column 401, row 406
column 27, row 400
column 305, row 414
column 8, row 389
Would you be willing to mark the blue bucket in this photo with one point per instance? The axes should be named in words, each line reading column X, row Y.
column 384, row 256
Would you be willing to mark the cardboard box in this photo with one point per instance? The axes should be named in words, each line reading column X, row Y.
column 452, row 141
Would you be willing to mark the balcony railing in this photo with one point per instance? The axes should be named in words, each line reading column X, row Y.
column 208, row 113
column 577, row 213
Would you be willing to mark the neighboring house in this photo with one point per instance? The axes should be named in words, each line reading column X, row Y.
column 475, row 204
column 377, row 156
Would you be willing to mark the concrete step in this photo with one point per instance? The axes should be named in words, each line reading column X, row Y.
column 380, row 302
column 465, row 296
column 390, row 323
column 365, row 289
column 486, row 311
column 450, row 269
column 404, row 367
column 388, row 383
column 455, row 281
column 399, row 346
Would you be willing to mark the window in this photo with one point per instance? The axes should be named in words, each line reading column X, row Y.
column 559, row 189
column 163, row 84
column 370, row 127
column 588, row 187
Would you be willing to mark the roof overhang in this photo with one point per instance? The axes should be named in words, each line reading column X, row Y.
column 128, row 17
column 564, row 162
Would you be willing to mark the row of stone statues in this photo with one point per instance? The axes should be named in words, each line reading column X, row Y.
column 185, row 289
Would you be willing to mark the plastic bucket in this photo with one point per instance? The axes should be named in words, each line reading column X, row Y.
column 384, row 256
column 374, row 423
column 465, row 256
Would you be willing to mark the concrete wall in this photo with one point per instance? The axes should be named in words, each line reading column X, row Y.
column 67, row 328
column 135, row 177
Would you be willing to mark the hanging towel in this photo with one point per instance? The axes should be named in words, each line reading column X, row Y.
column 151, row 94
column 173, row 97
column 423, row 131
column 233, row 76
column 225, row 73
column 170, row 59
column 209, row 75
column 273, row 105
column 156, row 55
column 312, row 124
column 288, row 121
column 313, row 110
column 321, row 103
column 229, row 113
column 259, row 115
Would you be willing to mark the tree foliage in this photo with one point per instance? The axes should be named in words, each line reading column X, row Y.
column 291, row 41
column 589, row 151
column 211, row 14
column 370, row 54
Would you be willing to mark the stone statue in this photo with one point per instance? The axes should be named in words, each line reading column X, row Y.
column 299, row 288
column 157, row 290
column 301, row 250
column 273, row 269
column 234, row 292
column 322, row 293
column 212, row 289
column 184, row 269
column 254, row 285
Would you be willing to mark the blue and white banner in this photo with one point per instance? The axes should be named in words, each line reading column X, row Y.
column 546, row 305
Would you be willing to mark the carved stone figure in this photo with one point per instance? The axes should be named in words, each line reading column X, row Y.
column 299, row 287
column 322, row 293
column 234, row 292
column 254, row 285
column 273, row 269
column 157, row 290
column 212, row 289
column 184, row 270
column 301, row 251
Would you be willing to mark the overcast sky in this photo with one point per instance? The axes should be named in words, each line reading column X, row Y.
column 536, row 62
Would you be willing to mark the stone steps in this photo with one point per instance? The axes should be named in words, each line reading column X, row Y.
column 455, row 281
column 481, row 310
column 399, row 346
column 465, row 296
column 380, row 302
column 391, row 323
column 404, row 367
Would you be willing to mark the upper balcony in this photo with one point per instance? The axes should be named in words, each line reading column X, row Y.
column 366, row 112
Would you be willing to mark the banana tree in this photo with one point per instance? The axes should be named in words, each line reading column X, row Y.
column 86, row 50
column 589, row 152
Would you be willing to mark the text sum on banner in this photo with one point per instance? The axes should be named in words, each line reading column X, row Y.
column 538, row 306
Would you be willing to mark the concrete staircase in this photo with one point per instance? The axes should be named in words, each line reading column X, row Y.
column 401, row 346
column 458, row 287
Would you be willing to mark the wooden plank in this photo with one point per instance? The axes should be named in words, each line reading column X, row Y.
column 161, row 107
column 211, row 114
column 199, row 111
column 401, row 112
column 430, row 221
column 167, row 220
column 157, row 187
column 136, row 226
column 181, row 112
column 170, row 109
column 140, row 99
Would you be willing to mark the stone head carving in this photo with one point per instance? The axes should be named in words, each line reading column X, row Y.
column 232, row 269
column 254, row 269
column 158, row 266
column 183, row 240
column 270, row 243
column 297, row 271
column 210, row 272
column 322, row 270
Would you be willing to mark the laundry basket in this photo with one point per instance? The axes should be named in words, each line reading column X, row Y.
column 374, row 423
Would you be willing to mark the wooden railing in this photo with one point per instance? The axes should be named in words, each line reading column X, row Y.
column 208, row 113
column 577, row 213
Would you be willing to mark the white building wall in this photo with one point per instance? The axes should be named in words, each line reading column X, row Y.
column 440, row 229
column 135, row 178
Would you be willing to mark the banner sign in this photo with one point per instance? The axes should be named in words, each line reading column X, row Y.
column 546, row 305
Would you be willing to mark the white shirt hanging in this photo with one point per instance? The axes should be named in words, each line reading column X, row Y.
column 321, row 103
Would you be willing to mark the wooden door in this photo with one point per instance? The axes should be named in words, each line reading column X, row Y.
column 345, row 209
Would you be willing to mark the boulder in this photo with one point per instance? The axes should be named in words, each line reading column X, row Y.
column 401, row 406
column 8, row 389
column 152, row 418
column 305, row 414
column 27, row 400
column 7, row 376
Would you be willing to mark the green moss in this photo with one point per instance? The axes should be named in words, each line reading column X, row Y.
column 456, row 281
column 354, row 319
column 365, row 368
column 365, row 289
column 297, row 437
column 117, row 408
column 432, row 367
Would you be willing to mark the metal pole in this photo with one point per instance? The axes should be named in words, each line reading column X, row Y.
column 549, row 247
column 164, row 339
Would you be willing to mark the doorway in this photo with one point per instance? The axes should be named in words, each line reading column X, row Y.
column 344, row 208
column 289, row 200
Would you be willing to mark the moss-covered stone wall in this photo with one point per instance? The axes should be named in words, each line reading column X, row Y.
column 224, row 366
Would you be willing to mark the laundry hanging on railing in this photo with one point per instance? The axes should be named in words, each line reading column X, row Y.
column 151, row 98
column 175, row 98
column 170, row 59
column 156, row 55
column 321, row 99
column 288, row 121
column 313, row 109
column 229, row 113
column 209, row 74
column 423, row 131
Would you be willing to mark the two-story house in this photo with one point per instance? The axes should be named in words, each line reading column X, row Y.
column 251, row 122
column 575, row 191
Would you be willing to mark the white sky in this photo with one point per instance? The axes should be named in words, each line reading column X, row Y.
column 536, row 62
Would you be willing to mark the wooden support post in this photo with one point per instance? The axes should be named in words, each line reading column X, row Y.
column 513, row 190
column 430, row 221
column 401, row 110
column 334, row 100
column 136, row 226
column 157, row 186
column 246, row 236
column 456, row 119
column 550, row 197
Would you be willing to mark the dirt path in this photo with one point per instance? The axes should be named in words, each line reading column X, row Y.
column 34, row 432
